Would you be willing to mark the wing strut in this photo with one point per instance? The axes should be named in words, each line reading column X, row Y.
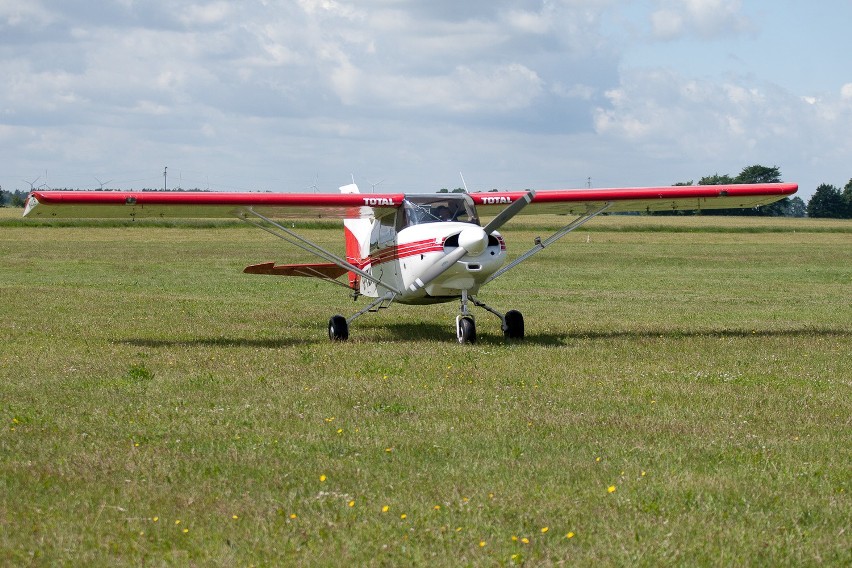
column 540, row 245
column 306, row 245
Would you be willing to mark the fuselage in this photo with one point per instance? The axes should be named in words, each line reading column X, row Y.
column 401, row 247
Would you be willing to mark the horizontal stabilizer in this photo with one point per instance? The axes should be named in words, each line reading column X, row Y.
column 317, row 270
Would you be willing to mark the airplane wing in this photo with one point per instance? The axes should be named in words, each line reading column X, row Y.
column 201, row 204
column 186, row 204
column 641, row 199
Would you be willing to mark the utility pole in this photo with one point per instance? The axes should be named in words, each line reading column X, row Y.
column 165, row 177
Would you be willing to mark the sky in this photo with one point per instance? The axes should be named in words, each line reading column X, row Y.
column 405, row 95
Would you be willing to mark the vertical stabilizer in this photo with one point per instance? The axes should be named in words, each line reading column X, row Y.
column 357, row 233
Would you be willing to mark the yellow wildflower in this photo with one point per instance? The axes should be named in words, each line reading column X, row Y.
column 352, row 503
column 525, row 540
column 322, row 477
column 569, row 535
column 385, row 509
column 611, row 489
column 481, row 543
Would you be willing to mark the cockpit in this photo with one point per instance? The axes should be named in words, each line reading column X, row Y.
column 434, row 208
column 419, row 210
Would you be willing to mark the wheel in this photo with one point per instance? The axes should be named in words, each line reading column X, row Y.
column 338, row 329
column 466, row 330
column 513, row 325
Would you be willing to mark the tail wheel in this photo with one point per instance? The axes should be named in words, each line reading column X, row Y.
column 513, row 325
column 465, row 330
column 338, row 329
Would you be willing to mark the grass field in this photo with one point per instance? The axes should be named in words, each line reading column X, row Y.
column 682, row 398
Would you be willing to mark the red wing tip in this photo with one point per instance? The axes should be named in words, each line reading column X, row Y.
column 262, row 268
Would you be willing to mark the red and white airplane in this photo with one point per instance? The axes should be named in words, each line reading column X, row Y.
column 405, row 248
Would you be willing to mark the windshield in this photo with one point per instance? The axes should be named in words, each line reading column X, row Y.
column 436, row 208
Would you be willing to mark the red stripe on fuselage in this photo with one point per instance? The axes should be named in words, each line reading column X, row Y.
column 397, row 252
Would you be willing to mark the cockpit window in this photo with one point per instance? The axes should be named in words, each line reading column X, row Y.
column 433, row 209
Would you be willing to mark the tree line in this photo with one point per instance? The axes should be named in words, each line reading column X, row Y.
column 828, row 201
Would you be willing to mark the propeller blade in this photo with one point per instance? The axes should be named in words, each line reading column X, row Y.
column 438, row 268
column 509, row 212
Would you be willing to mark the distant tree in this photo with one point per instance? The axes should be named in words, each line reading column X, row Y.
column 681, row 183
column 18, row 198
column 716, row 179
column 458, row 190
column 759, row 174
column 796, row 207
column 826, row 202
column 847, row 199
column 443, row 190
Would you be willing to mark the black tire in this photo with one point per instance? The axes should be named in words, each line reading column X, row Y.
column 466, row 332
column 514, row 321
column 338, row 329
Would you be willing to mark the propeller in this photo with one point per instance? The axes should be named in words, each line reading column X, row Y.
column 472, row 240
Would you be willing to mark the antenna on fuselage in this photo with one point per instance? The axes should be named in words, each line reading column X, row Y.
column 463, row 183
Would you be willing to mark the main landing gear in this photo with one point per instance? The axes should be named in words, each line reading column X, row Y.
column 512, row 322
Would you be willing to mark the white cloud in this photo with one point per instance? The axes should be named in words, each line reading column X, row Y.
column 666, row 116
column 530, row 22
column 206, row 14
column 706, row 18
column 24, row 13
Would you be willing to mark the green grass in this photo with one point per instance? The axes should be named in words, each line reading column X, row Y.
column 144, row 380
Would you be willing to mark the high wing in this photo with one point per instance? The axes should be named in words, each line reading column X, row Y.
column 183, row 204
column 641, row 199
column 198, row 204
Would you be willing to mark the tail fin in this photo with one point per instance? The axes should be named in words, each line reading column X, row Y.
column 357, row 235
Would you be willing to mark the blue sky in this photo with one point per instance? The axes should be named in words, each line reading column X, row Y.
column 300, row 95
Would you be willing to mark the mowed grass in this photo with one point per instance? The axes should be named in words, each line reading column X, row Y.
column 682, row 398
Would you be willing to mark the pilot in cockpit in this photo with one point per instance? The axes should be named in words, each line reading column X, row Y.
column 444, row 213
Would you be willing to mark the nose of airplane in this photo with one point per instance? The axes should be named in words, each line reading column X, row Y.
column 473, row 240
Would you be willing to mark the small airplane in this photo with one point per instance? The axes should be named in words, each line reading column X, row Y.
column 405, row 248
